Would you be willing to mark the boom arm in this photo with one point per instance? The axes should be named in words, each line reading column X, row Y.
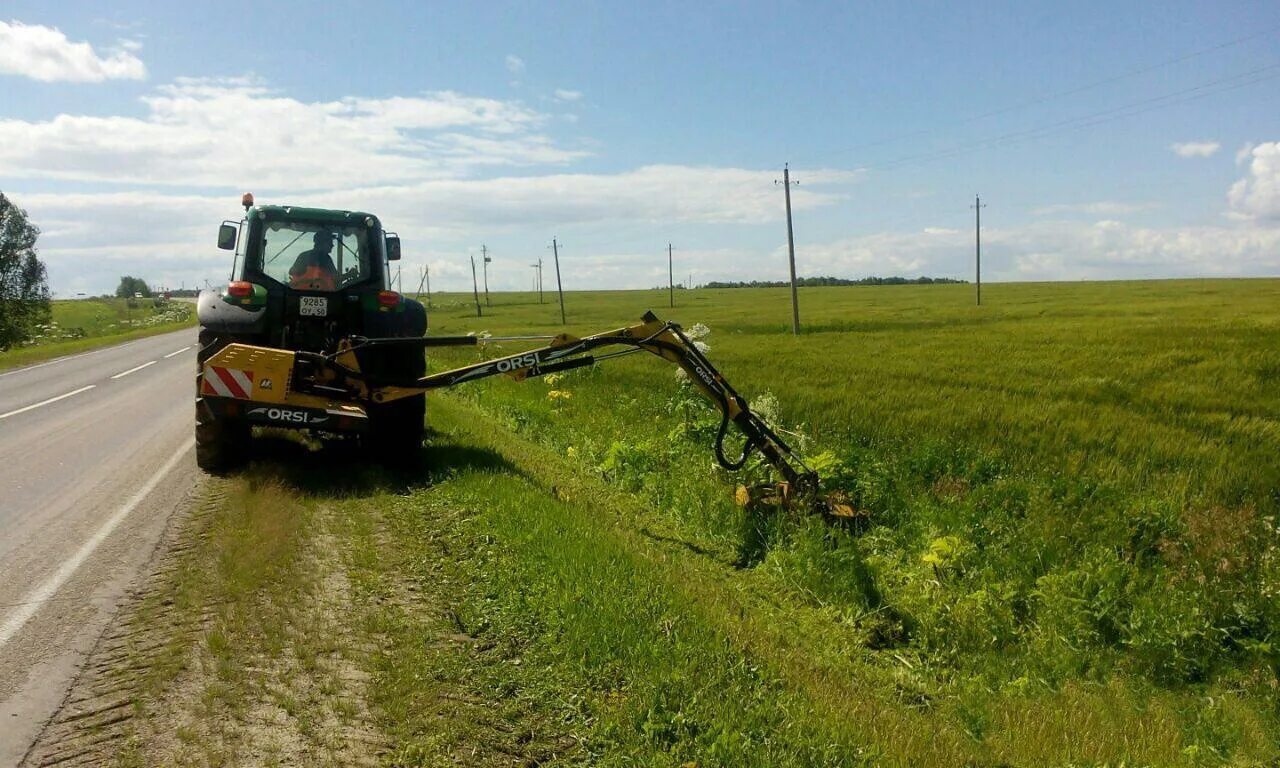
column 566, row 352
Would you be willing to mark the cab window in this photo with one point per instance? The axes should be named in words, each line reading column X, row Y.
column 315, row 257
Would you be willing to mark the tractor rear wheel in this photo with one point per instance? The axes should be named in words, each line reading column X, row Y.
column 221, row 444
column 396, row 429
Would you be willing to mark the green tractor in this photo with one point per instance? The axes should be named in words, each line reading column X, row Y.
column 304, row 279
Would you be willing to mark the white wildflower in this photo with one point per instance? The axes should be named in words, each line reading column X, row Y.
column 698, row 331
column 767, row 407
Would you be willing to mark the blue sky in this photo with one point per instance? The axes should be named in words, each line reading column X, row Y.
column 1140, row 141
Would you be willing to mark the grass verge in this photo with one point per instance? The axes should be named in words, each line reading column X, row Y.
column 497, row 605
column 82, row 325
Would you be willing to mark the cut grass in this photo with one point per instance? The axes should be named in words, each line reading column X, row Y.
column 242, row 648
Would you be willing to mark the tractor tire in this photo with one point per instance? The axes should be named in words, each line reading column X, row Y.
column 396, row 430
column 221, row 444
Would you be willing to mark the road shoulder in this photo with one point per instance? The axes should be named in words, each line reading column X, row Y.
column 280, row 627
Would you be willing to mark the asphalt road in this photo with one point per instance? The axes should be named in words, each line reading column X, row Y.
column 95, row 456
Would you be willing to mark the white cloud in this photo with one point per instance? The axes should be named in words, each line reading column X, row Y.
column 1244, row 152
column 45, row 54
column 655, row 194
column 237, row 132
column 1195, row 148
column 563, row 94
column 1105, row 249
column 515, row 64
column 453, row 207
column 1072, row 250
column 1099, row 208
column 88, row 238
column 429, row 164
column 1257, row 196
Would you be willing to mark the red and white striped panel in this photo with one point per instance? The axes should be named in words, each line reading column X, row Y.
column 227, row 382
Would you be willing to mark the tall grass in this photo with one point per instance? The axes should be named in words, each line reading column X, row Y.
column 1072, row 495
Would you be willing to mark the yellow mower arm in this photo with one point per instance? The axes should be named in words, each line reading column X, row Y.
column 566, row 352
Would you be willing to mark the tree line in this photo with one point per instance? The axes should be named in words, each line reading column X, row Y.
column 25, row 299
column 815, row 282
column 24, row 283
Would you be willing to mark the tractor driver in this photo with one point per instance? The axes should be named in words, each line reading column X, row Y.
column 314, row 269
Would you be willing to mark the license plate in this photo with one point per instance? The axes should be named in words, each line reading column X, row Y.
column 313, row 306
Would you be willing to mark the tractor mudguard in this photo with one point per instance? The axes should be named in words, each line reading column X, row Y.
column 406, row 320
column 217, row 315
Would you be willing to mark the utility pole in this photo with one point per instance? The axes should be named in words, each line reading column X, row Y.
column 537, row 278
column 475, row 289
column 427, row 274
column 484, row 250
column 671, row 286
column 423, row 272
column 555, row 249
column 791, row 249
column 977, row 243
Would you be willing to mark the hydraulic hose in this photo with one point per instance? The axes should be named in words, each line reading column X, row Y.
column 747, row 447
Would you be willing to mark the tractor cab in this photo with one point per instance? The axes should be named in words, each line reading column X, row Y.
column 305, row 278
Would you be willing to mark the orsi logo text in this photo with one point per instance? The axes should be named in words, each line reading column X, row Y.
column 285, row 414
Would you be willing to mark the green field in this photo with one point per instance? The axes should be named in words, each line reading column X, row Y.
column 1072, row 491
column 1070, row 555
column 80, row 324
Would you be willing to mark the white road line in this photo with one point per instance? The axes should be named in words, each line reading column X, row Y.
column 41, row 594
column 57, row 360
column 180, row 351
column 122, row 374
column 46, row 402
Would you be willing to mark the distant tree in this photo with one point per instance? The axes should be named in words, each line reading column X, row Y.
column 810, row 282
column 131, row 285
column 24, row 285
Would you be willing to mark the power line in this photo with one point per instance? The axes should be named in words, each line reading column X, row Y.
column 1055, row 95
column 1131, row 109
